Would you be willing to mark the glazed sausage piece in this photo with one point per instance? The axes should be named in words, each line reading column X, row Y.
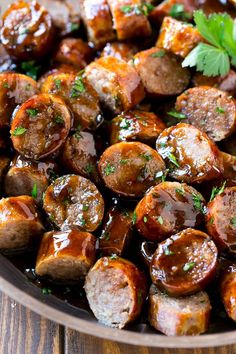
column 15, row 89
column 166, row 8
column 221, row 220
column 79, row 96
column 161, row 72
column 40, row 126
column 129, row 169
column 229, row 169
column 209, row 109
column 26, row 177
column 146, row 250
column 79, row 156
column 189, row 154
column 118, row 85
column 115, row 289
column 168, row 208
column 27, row 30
column 180, row 316
column 178, row 37
column 136, row 125
column 228, row 290
column 20, row 223
column 73, row 202
column 184, row 263
column 119, row 50
column 66, row 255
column 129, row 19
column 74, row 52
column 98, row 21
column 56, row 69
column 6, row 63
column 116, row 232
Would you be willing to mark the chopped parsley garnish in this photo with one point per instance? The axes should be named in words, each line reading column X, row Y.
column 89, row 168
column 217, row 191
column 161, row 174
column 6, row 85
column 177, row 115
column 134, row 219
column 211, row 220
column 82, row 221
column 158, row 54
column 32, row 112
column 220, row 110
column 160, row 220
column 34, row 191
column 85, row 207
column 78, row 87
column 124, row 161
column 173, row 159
column 177, row 11
column 59, row 120
column 74, row 27
column 145, row 219
column 233, row 221
column 109, row 169
column 180, row 190
column 198, row 203
column 31, row 69
column 106, row 236
column 167, row 251
column 126, row 9
column 19, row 131
column 57, row 83
column 147, row 157
column 188, row 266
column 125, row 124
column 46, row 291
column 77, row 134
column 142, row 9
column 113, row 256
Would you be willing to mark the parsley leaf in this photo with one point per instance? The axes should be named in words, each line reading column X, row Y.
column 217, row 191
column 158, row 54
column 173, row 159
column 32, row 112
column 177, row 115
column 19, row 131
column 188, row 266
column 233, row 222
column 109, row 169
column 177, row 11
column 78, row 87
column 31, row 69
column 34, row 191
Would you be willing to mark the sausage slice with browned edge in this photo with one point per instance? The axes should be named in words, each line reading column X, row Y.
column 73, row 202
column 184, row 263
column 40, row 126
column 189, row 154
column 20, row 223
column 66, row 255
column 130, row 168
column 182, row 316
column 228, row 290
column 209, row 109
column 115, row 289
column 168, row 208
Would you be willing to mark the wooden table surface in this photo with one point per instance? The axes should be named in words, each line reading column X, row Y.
column 24, row 332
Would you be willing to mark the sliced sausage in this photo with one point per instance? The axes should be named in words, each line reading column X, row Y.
column 20, row 222
column 221, row 220
column 209, row 109
column 79, row 156
column 184, row 263
column 79, row 96
column 56, row 69
column 118, row 85
column 98, row 21
column 229, row 169
column 15, row 89
column 6, row 63
column 26, row 177
column 167, row 8
column 178, row 37
column 27, row 30
column 66, row 255
column 168, row 208
column 40, row 126
column 136, row 125
column 189, row 154
column 74, row 202
column 228, row 291
column 74, row 52
column 129, row 169
column 182, row 316
column 161, row 72
column 119, row 50
column 116, row 232
column 129, row 19
column 118, row 283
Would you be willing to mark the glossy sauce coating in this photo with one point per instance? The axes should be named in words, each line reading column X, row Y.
column 6, row 62
column 184, row 263
column 168, row 208
column 189, row 154
column 120, row 50
column 27, row 30
column 164, row 8
column 228, row 290
column 130, row 168
column 73, row 202
column 40, row 126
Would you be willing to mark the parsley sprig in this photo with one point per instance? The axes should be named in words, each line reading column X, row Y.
column 214, row 58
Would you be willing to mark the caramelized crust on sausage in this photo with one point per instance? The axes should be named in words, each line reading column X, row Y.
column 228, row 290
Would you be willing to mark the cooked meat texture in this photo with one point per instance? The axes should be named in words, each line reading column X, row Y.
column 120, row 50
column 20, row 223
column 26, row 177
column 66, row 255
column 74, row 52
column 116, row 232
column 40, row 126
column 221, row 220
column 129, row 19
column 27, row 30
column 97, row 19
column 181, row 316
column 15, row 89
column 228, row 290
column 178, row 37
column 79, row 96
column 209, row 109
column 73, row 202
column 166, row 8
column 130, row 168
column 118, row 85
column 189, row 154
column 161, row 72
column 136, row 125
column 115, row 289
column 168, row 208
column 184, row 263
column 55, row 70
column 229, row 169
column 6, row 62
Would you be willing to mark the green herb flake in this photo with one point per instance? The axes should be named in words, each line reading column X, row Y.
column 124, row 161
column 188, row 266
column 46, row 291
column 147, row 157
column 109, row 169
column 167, row 251
column 74, row 27
column 6, row 85
column 78, row 87
column 113, row 256
column 19, row 131
column 31, row 69
column 158, row 54
column 145, row 219
column 233, row 222
column 160, row 220
column 211, row 220
column 106, row 236
column 180, row 190
column 85, row 207
column 34, row 191
column 220, row 110
column 134, row 218
column 58, row 120
column 126, row 9
column 198, row 203
column 89, row 168
column 32, row 112
column 57, row 83
column 217, row 191
column 82, row 221
column 177, row 115
column 125, row 123
column 177, row 11
column 173, row 159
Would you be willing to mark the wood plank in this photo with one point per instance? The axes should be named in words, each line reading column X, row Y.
column 24, row 332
